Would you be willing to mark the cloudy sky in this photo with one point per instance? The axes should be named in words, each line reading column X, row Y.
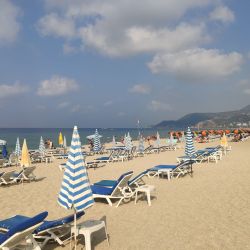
column 108, row 63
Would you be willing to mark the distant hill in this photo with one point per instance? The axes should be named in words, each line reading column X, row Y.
column 210, row 120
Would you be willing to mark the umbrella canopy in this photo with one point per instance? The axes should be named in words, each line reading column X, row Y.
column 75, row 189
column 2, row 142
column 92, row 137
column 158, row 140
column 4, row 151
column 223, row 141
column 18, row 148
column 64, row 142
column 128, row 142
column 189, row 149
column 141, row 145
column 97, row 142
column 25, row 158
column 42, row 149
column 60, row 139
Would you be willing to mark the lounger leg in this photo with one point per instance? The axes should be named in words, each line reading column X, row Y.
column 119, row 202
column 148, row 197
column 87, row 237
column 109, row 201
column 31, row 239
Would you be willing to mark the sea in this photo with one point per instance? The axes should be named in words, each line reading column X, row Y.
column 32, row 135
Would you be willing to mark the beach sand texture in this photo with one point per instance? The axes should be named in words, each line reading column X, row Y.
column 210, row 210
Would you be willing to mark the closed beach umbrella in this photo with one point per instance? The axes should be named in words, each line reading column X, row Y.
column 42, row 147
column 223, row 141
column 189, row 149
column 2, row 142
column 128, row 142
column 75, row 190
column 171, row 140
column 4, row 151
column 114, row 142
column 18, row 148
column 60, row 139
column 64, row 142
column 25, row 158
column 158, row 140
column 141, row 145
column 97, row 142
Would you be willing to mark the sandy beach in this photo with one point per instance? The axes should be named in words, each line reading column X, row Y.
column 207, row 211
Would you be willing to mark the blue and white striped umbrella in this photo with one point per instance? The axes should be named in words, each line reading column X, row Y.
column 97, row 142
column 42, row 149
column 128, row 142
column 158, row 140
column 189, row 148
column 75, row 189
column 18, row 151
column 141, row 145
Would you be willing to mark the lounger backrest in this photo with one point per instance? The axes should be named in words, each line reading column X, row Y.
column 8, row 175
column 28, row 171
column 123, row 182
column 20, row 231
column 138, row 177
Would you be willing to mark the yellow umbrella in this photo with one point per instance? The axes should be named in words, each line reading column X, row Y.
column 25, row 157
column 223, row 141
column 60, row 139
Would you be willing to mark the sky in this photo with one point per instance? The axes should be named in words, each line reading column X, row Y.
column 110, row 63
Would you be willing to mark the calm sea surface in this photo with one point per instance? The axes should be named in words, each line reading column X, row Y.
column 33, row 135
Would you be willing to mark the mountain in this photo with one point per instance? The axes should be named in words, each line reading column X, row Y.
column 210, row 120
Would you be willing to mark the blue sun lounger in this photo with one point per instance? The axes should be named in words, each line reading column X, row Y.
column 14, row 231
column 119, row 191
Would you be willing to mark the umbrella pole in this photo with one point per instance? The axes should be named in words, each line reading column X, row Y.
column 75, row 227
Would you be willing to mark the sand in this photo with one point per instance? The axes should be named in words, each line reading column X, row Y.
column 207, row 211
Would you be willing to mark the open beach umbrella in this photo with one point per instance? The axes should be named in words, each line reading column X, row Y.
column 97, row 142
column 75, row 190
column 189, row 148
column 25, row 158
column 4, row 151
column 18, row 148
column 223, row 141
column 64, row 142
column 42, row 147
column 158, row 140
column 141, row 145
column 128, row 142
column 60, row 139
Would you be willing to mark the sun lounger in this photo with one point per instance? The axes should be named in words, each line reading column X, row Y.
column 27, row 174
column 14, row 231
column 120, row 191
column 6, row 178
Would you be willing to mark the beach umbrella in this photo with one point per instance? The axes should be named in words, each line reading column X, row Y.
column 114, row 142
column 158, row 140
column 64, row 142
column 92, row 137
column 223, row 141
column 25, row 158
column 75, row 192
column 2, row 142
column 128, row 142
column 18, row 148
column 4, row 151
column 171, row 139
column 60, row 139
column 42, row 147
column 97, row 142
column 141, row 145
column 189, row 148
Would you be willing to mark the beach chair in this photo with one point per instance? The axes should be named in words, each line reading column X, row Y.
column 26, row 174
column 14, row 231
column 120, row 191
column 181, row 169
column 6, row 178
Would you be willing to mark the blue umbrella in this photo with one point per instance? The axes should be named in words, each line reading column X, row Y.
column 97, row 142
column 18, row 148
column 75, row 190
column 189, row 148
column 42, row 147
column 4, row 152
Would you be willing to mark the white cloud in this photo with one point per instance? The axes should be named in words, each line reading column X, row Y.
column 222, row 14
column 56, row 86
column 247, row 91
column 9, row 25
column 12, row 90
column 244, row 82
column 197, row 64
column 63, row 105
column 53, row 24
column 76, row 108
column 121, row 114
column 69, row 49
column 108, row 103
column 113, row 29
column 140, row 89
column 159, row 106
